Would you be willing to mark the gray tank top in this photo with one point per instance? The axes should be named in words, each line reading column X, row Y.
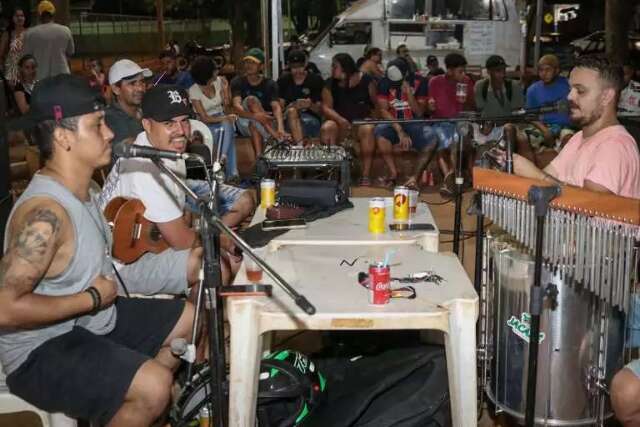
column 89, row 260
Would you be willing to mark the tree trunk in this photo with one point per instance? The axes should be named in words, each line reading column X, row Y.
column 616, row 22
column 63, row 11
column 238, row 32
column 160, row 21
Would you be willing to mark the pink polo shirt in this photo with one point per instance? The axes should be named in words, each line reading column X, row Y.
column 609, row 158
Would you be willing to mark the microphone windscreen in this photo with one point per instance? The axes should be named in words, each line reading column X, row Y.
column 121, row 150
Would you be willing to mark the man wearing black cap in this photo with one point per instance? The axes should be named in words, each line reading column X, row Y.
column 67, row 343
column 496, row 95
column 433, row 66
column 165, row 119
column 401, row 95
column 300, row 94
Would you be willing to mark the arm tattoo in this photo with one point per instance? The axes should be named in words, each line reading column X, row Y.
column 30, row 246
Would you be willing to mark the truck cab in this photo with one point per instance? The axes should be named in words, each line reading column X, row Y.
column 474, row 28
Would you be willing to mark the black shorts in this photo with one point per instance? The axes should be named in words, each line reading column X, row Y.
column 87, row 376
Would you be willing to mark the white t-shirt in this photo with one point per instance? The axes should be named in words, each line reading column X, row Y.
column 211, row 105
column 140, row 179
column 630, row 99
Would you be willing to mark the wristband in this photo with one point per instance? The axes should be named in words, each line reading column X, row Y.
column 95, row 296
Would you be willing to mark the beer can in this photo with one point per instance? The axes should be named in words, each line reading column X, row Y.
column 413, row 201
column 401, row 204
column 379, row 284
column 267, row 193
column 376, row 215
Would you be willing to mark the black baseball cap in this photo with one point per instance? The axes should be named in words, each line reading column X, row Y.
column 397, row 70
column 296, row 56
column 59, row 97
column 164, row 102
column 495, row 61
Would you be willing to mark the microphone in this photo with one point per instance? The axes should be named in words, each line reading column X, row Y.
column 131, row 150
column 561, row 106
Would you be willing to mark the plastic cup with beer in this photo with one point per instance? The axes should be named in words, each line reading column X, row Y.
column 252, row 269
column 377, row 215
column 267, row 193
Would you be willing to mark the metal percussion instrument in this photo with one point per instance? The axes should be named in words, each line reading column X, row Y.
column 591, row 259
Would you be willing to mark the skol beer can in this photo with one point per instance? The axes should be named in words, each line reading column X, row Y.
column 376, row 215
column 401, row 204
column 267, row 193
column 379, row 284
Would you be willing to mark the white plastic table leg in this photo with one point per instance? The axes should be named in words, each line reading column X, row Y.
column 245, row 355
column 460, row 345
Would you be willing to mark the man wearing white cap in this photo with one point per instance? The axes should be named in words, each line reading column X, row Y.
column 123, row 116
column 50, row 43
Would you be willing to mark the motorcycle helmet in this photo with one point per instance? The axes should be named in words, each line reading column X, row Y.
column 289, row 388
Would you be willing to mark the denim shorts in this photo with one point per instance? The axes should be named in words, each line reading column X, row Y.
column 422, row 136
column 310, row 125
column 446, row 132
column 228, row 195
column 242, row 124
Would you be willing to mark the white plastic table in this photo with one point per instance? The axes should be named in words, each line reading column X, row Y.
column 351, row 227
column 343, row 304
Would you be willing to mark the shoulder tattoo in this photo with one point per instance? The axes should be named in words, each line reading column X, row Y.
column 38, row 233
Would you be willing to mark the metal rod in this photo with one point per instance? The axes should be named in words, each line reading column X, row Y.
column 472, row 118
column 540, row 198
column 477, row 281
column 212, row 282
column 539, row 13
column 534, row 327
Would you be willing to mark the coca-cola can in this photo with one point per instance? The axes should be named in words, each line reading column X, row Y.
column 379, row 284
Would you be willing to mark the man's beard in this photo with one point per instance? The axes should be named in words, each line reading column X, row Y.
column 584, row 121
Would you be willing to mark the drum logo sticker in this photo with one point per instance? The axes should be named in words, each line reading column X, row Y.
column 522, row 327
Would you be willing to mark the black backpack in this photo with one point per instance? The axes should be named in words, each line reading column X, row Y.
column 485, row 89
column 399, row 387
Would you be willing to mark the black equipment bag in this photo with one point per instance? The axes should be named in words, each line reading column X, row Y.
column 386, row 379
column 310, row 193
column 400, row 387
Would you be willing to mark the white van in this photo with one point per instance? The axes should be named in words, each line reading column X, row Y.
column 474, row 28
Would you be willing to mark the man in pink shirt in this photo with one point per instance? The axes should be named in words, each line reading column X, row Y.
column 601, row 157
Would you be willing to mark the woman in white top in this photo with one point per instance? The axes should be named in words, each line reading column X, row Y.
column 209, row 97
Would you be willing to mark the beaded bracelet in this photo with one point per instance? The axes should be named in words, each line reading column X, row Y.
column 95, row 296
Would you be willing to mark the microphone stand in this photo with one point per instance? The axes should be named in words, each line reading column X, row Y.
column 457, row 223
column 211, row 279
column 540, row 197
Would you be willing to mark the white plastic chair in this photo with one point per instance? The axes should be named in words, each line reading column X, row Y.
column 10, row 403
column 207, row 135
